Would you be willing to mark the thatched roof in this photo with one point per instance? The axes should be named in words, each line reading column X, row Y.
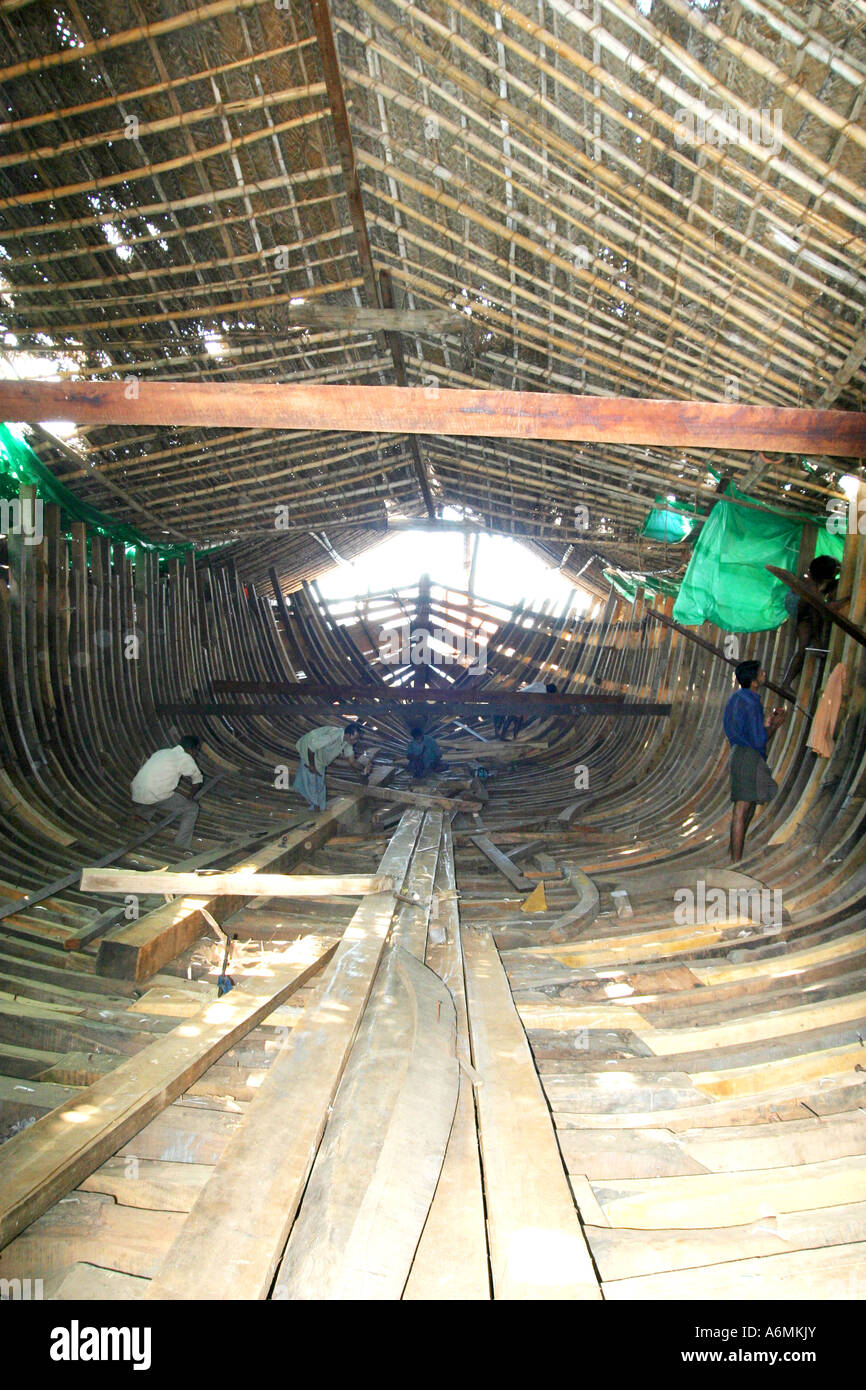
column 654, row 199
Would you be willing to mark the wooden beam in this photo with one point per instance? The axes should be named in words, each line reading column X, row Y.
column 801, row 588
column 428, row 800
column 413, row 409
column 137, row 950
column 501, row 862
column 715, row 651
column 514, row 700
column 232, row 1240
column 238, row 881
column 388, row 320
column 41, row 1164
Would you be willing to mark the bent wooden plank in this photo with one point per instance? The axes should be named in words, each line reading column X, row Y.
column 137, row 950
column 241, row 881
column 413, row 409
column 236, row 1232
column 537, row 1248
column 376, row 1172
column 43, row 1163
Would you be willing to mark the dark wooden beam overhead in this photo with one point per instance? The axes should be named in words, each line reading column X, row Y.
column 412, row 695
column 396, row 410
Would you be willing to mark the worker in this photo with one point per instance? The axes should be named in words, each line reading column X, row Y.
column 423, row 754
column 518, row 720
column 748, row 731
column 317, row 750
column 821, row 580
column 153, row 786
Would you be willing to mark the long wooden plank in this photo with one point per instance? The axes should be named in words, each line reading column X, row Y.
column 375, row 1175
column 537, row 1248
column 427, row 800
column 398, row 410
column 236, row 1232
column 712, row 1199
column 500, row 861
column 137, row 950
column 456, row 1219
column 43, row 1163
column 239, row 881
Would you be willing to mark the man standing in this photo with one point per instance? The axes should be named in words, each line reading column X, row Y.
column 518, row 720
column 153, row 786
column 317, row 750
column 748, row 732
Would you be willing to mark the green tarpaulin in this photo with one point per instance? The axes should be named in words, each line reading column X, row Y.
column 670, row 522
column 727, row 583
column 19, row 464
column 627, row 583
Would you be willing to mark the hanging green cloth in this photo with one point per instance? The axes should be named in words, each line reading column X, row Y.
column 727, row 583
column 670, row 522
column 628, row 582
column 19, row 464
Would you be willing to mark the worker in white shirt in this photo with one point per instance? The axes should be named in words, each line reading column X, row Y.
column 518, row 720
column 317, row 750
column 153, row 786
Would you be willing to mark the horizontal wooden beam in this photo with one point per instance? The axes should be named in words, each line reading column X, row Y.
column 241, row 881
column 136, row 950
column 373, row 705
column 445, row 411
column 350, row 317
column 516, row 700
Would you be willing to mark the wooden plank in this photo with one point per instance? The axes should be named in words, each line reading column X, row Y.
column 536, row 1245
column 427, row 800
column 713, row 1199
column 376, row 1172
column 500, row 861
column 138, row 949
column 838, row 1272
column 46, row 1161
column 235, row 881
column 398, row 410
column 235, row 1234
column 456, row 1220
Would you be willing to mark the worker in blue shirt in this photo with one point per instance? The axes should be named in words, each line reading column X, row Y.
column 748, row 732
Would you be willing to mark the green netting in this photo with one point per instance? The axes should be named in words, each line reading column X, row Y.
column 627, row 583
column 19, row 464
column 670, row 522
column 727, row 583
